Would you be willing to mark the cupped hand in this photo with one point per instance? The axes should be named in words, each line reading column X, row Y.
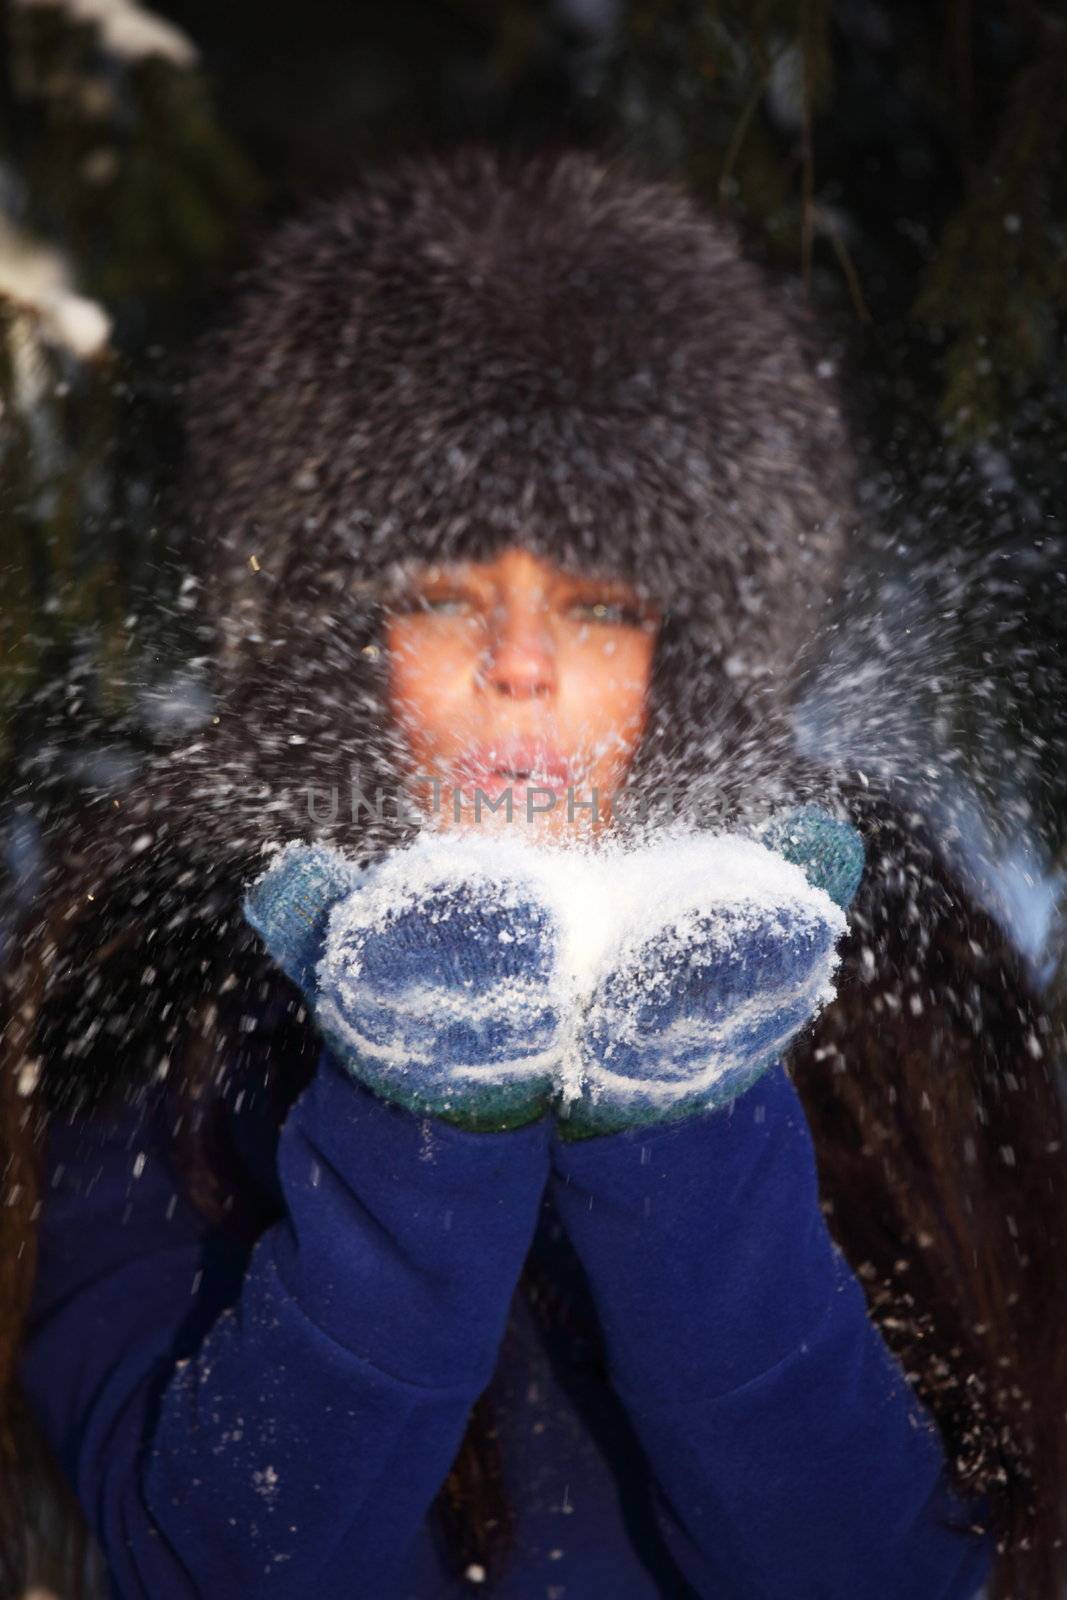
column 726, row 951
column 432, row 976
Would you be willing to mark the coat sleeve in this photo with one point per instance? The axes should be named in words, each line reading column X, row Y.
column 278, row 1423
column 787, row 1448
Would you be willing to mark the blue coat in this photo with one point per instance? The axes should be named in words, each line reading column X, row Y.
column 279, row 1422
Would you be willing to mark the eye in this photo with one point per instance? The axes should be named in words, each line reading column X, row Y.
column 617, row 612
column 438, row 603
column 445, row 605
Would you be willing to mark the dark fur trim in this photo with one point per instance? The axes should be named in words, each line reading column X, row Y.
column 470, row 351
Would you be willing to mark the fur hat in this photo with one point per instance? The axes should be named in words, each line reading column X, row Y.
column 469, row 351
column 478, row 350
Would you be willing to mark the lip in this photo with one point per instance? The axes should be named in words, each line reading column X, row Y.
column 520, row 762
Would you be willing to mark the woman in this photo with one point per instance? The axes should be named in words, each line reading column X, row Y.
column 485, row 451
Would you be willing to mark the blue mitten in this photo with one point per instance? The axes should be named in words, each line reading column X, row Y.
column 289, row 907
column 432, row 975
column 829, row 852
column 727, row 949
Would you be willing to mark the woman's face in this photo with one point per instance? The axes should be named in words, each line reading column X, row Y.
column 511, row 677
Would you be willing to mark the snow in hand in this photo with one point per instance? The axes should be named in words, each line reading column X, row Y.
column 647, row 979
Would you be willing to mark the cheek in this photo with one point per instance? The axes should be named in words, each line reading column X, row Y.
column 428, row 678
column 608, row 694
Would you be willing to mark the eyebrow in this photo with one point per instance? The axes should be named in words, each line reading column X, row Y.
column 424, row 574
column 606, row 584
column 457, row 576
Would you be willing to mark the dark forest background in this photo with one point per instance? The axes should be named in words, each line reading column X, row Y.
column 906, row 160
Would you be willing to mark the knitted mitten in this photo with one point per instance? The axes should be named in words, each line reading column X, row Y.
column 830, row 853
column 726, row 950
column 289, row 907
column 431, row 975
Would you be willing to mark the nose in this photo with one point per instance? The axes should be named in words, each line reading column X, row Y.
column 519, row 662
